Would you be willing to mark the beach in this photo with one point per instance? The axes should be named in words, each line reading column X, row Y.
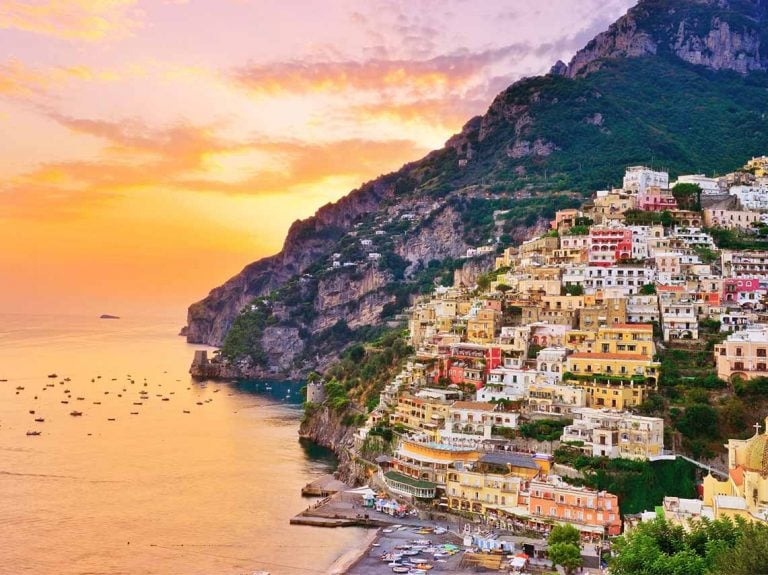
column 346, row 560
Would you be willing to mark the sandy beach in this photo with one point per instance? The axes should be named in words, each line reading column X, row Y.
column 352, row 556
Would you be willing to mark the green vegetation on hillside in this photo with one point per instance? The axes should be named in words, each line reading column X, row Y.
column 640, row 485
column 244, row 336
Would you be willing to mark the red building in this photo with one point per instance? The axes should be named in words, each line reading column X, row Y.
column 609, row 245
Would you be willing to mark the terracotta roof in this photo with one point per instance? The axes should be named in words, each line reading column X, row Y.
column 622, row 356
column 643, row 326
column 670, row 288
column 477, row 405
column 737, row 475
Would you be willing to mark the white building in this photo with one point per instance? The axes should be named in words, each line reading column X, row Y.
column 609, row 433
column 508, row 383
column 709, row 186
column 679, row 320
column 638, row 179
column 642, row 308
column 694, row 238
column 626, row 278
column 752, row 197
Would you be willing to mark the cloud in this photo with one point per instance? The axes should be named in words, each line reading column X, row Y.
column 185, row 157
column 79, row 20
column 417, row 77
column 18, row 80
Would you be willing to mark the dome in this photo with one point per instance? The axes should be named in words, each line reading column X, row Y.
column 757, row 454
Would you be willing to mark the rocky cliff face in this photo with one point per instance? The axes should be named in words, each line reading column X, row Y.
column 325, row 427
column 717, row 34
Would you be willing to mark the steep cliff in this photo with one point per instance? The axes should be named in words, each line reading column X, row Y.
column 326, row 427
column 677, row 81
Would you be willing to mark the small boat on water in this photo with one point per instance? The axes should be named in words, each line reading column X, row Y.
column 34, row 432
column 40, row 419
column 52, row 375
column 20, row 387
column 32, row 411
column 80, row 398
column 111, row 419
column 134, row 413
column 64, row 401
column 186, row 411
column 199, row 403
column 75, row 413
column 137, row 403
column 166, row 399
column 96, row 403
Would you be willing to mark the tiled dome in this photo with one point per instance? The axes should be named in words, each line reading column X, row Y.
column 757, row 454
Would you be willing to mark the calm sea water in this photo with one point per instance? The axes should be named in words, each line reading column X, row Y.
column 160, row 492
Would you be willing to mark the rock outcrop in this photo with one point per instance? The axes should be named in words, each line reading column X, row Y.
column 325, row 427
column 717, row 34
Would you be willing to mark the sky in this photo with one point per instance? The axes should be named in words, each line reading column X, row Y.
column 150, row 149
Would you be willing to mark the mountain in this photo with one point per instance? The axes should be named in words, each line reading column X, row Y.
column 680, row 84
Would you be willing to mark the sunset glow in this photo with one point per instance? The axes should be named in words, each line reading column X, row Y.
column 151, row 149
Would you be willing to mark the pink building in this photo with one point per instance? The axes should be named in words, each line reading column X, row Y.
column 654, row 199
column 742, row 290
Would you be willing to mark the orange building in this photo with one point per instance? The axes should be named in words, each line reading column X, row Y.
column 591, row 512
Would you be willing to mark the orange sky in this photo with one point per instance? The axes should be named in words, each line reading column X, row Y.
column 151, row 149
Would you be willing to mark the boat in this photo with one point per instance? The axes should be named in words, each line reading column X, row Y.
column 134, row 413
column 34, row 432
column 52, row 375
column 32, row 411
column 20, row 387
column 400, row 569
column 67, row 379
column 108, row 316
column 75, row 413
column 64, row 401
column 96, row 403
column 40, row 419
column 186, row 411
column 137, row 403
column 166, row 399
column 110, row 419
column 199, row 403
column 80, row 398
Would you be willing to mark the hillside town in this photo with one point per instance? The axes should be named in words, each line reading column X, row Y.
column 569, row 328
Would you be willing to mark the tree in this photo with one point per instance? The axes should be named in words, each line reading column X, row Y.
column 648, row 289
column 567, row 555
column 688, row 196
column 484, row 282
column 565, row 533
column 749, row 556
column 575, row 290
column 699, row 420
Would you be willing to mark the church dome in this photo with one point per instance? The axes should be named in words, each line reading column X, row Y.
column 757, row 454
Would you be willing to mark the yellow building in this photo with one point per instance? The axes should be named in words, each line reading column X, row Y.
column 622, row 365
column 759, row 165
column 426, row 462
column 745, row 492
column 483, row 326
column 420, row 414
column 629, row 338
column 494, row 481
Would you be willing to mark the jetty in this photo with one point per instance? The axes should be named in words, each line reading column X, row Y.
column 323, row 487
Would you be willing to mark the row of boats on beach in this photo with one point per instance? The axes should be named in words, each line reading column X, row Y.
column 410, row 557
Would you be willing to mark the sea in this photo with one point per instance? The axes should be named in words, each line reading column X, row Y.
column 188, row 477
